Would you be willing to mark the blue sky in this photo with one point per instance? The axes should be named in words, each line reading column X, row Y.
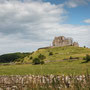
column 76, row 15
column 55, row 1
column 26, row 25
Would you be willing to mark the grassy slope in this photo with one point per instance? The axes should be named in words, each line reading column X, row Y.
column 60, row 53
column 59, row 67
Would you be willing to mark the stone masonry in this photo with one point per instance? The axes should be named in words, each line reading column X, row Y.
column 63, row 41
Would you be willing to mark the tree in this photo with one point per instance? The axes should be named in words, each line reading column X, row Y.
column 12, row 57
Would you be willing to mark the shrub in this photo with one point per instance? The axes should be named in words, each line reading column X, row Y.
column 20, row 60
column 31, row 57
column 50, row 53
column 41, row 57
column 84, row 46
column 36, row 61
column 42, row 62
column 87, row 58
column 56, row 53
column 71, row 57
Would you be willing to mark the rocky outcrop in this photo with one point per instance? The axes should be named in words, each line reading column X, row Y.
column 63, row 41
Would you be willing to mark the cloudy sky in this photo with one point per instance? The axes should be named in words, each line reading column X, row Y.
column 26, row 25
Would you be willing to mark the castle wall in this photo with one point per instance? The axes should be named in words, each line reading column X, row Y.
column 63, row 41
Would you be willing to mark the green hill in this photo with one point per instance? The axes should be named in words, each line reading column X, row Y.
column 59, row 60
column 60, row 53
column 51, row 54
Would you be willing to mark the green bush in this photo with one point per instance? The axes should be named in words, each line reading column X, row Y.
column 41, row 57
column 42, row 62
column 36, row 61
column 87, row 58
column 50, row 53
column 84, row 46
column 31, row 57
column 71, row 57
column 19, row 60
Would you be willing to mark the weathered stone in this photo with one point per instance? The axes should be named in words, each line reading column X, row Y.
column 75, row 44
column 63, row 41
column 35, row 81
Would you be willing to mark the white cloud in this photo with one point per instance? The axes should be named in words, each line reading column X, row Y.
column 23, row 23
column 28, row 26
column 87, row 21
column 76, row 3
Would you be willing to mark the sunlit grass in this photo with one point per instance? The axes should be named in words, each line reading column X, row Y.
column 57, row 68
column 55, row 63
column 60, row 53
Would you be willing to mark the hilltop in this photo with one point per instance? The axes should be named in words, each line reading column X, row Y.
column 62, row 48
column 60, row 53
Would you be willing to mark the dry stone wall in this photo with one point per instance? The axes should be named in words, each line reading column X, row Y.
column 30, row 82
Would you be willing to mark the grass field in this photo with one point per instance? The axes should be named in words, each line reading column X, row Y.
column 57, row 68
column 55, row 63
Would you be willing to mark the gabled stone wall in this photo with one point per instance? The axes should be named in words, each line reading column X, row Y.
column 63, row 41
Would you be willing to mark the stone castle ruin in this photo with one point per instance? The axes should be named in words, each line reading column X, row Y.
column 63, row 41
